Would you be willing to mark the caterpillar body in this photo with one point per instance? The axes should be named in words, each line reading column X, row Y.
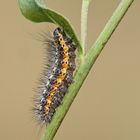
column 58, row 77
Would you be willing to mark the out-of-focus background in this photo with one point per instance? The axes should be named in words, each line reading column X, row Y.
column 108, row 105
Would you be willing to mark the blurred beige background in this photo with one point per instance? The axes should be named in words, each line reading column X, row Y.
column 108, row 104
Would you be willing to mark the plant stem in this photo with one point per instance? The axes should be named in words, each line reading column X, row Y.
column 108, row 31
column 84, row 16
column 85, row 68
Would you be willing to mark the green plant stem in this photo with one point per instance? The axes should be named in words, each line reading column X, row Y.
column 84, row 16
column 85, row 68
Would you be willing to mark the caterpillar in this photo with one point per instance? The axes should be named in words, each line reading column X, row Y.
column 58, row 75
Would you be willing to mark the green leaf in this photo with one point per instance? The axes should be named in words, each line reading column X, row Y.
column 37, row 11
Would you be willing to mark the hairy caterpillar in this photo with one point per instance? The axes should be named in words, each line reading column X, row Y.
column 58, row 76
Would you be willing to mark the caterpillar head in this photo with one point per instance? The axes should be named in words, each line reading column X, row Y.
column 58, row 31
